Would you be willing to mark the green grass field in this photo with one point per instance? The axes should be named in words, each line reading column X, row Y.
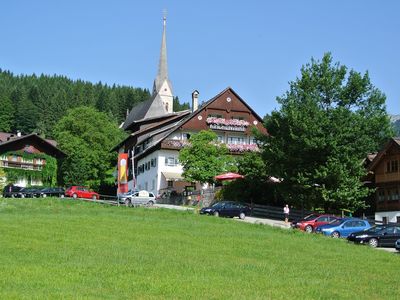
column 52, row 248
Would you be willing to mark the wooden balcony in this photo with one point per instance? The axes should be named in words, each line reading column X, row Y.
column 20, row 165
column 233, row 148
column 387, row 177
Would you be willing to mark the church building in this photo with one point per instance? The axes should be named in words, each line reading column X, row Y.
column 158, row 132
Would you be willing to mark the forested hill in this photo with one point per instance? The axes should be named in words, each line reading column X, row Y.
column 31, row 103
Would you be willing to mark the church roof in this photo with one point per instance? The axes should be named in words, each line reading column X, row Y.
column 162, row 74
column 150, row 108
column 154, row 106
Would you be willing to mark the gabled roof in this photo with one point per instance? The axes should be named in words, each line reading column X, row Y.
column 7, row 144
column 393, row 142
column 175, row 116
column 207, row 103
column 150, row 108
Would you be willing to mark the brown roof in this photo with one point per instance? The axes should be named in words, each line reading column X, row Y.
column 392, row 142
column 5, row 137
column 8, row 139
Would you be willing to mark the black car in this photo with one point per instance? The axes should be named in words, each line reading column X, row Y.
column 11, row 191
column 227, row 209
column 52, row 192
column 377, row 236
column 30, row 192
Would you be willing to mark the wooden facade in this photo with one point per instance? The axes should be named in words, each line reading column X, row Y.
column 386, row 170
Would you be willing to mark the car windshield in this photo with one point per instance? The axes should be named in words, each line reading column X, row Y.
column 310, row 217
column 376, row 228
column 218, row 204
column 336, row 222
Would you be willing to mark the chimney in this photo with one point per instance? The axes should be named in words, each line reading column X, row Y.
column 195, row 100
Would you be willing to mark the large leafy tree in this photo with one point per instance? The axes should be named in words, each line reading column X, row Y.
column 254, row 186
column 86, row 136
column 204, row 158
column 328, row 121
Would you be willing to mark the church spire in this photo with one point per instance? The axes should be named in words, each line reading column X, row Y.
column 162, row 85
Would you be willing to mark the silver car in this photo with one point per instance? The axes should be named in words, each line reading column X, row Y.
column 140, row 198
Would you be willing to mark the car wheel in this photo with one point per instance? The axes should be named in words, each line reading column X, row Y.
column 373, row 242
column 216, row 214
column 127, row 202
column 335, row 234
column 74, row 196
column 308, row 229
column 94, row 197
column 151, row 203
column 242, row 215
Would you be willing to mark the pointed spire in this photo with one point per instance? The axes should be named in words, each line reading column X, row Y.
column 162, row 65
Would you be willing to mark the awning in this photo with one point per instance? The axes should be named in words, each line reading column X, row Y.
column 228, row 176
column 172, row 176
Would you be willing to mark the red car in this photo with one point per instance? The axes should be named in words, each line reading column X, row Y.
column 81, row 192
column 310, row 224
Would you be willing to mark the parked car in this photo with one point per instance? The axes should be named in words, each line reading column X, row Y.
column 227, row 209
column 52, row 192
column 397, row 245
column 123, row 196
column 140, row 198
column 11, row 191
column 343, row 227
column 308, row 217
column 377, row 236
column 81, row 192
column 29, row 192
column 310, row 224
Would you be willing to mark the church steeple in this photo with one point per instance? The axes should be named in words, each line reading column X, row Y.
column 162, row 85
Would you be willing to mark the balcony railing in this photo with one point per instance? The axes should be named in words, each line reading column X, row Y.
column 233, row 148
column 20, row 165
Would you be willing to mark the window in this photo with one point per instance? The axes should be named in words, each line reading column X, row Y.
column 186, row 136
column 323, row 219
column 153, row 184
column 384, row 220
column 238, row 118
column 393, row 194
column 146, row 186
column 215, row 116
column 170, row 161
column 170, row 183
column 398, row 221
column 392, row 166
column 253, row 141
column 381, row 195
column 221, row 139
column 236, row 140
column 153, row 162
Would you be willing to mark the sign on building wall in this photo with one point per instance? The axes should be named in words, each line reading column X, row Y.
column 123, row 173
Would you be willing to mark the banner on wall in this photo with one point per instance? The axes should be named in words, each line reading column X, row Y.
column 122, row 173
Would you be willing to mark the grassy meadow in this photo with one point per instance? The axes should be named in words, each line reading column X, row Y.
column 51, row 248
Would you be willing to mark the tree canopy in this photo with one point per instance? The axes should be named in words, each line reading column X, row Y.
column 87, row 136
column 329, row 120
column 204, row 158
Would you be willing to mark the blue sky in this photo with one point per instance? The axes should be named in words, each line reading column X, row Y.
column 256, row 47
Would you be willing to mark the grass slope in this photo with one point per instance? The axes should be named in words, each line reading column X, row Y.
column 54, row 248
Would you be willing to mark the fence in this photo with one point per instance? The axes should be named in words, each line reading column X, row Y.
column 273, row 212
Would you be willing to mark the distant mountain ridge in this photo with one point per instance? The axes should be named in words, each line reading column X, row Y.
column 395, row 120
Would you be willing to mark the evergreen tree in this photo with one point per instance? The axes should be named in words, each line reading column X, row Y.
column 6, row 113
